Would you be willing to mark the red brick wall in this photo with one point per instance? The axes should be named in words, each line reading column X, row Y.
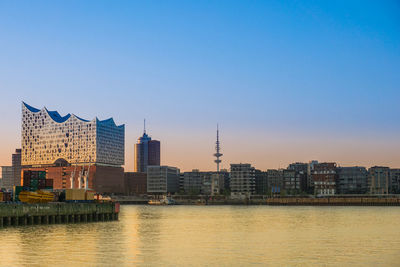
column 102, row 179
column 135, row 183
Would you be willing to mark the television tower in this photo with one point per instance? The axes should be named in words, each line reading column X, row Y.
column 217, row 150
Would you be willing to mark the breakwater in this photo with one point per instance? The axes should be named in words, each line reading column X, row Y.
column 14, row 214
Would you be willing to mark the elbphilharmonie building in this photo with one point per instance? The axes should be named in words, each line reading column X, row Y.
column 47, row 137
column 69, row 147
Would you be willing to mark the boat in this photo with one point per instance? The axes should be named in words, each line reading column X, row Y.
column 163, row 201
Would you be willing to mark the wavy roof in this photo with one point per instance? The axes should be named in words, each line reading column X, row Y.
column 58, row 118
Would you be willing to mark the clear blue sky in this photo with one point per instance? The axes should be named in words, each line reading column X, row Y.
column 286, row 80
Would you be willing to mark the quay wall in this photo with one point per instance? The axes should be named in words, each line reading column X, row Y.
column 14, row 214
column 291, row 201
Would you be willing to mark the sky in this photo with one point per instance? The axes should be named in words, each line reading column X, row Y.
column 286, row 81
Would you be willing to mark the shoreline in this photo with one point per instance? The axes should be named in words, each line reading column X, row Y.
column 274, row 201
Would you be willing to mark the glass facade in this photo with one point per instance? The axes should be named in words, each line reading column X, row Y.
column 48, row 137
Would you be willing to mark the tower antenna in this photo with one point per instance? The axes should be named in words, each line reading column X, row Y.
column 144, row 126
column 217, row 150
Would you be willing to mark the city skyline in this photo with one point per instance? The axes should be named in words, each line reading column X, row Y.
column 289, row 81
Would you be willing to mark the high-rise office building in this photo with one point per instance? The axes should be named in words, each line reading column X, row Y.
column 147, row 153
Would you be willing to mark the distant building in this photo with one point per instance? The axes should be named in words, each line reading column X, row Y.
column 102, row 179
column 242, row 180
column 206, row 185
column 16, row 165
column 70, row 148
column 48, row 137
column 217, row 183
column 310, row 169
column 193, row 182
column 352, row 180
column 12, row 174
column 324, row 178
column 298, row 167
column 181, row 183
column 261, row 179
column 302, row 171
column 379, row 180
column 293, row 181
column 135, row 183
column 395, row 179
column 147, row 153
column 227, row 177
column 275, row 181
column 162, row 179
column 7, row 175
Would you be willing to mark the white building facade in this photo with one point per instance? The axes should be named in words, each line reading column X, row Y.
column 47, row 137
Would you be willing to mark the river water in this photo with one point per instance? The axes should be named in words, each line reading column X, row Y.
column 214, row 235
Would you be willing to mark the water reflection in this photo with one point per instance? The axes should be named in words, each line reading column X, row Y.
column 214, row 235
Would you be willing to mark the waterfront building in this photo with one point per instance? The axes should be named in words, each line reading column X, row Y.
column 275, row 181
column 147, row 153
column 293, row 181
column 242, row 180
column 206, row 183
column 261, row 179
column 193, row 182
column 16, row 166
column 324, row 178
column 181, row 183
column 217, row 183
column 310, row 169
column 47, row 137
column 135, row 183
column 7, row 176
column 227, row 177
column 379, row 180
column 352, row 180
column 162, row 179
column 395, row 179
column 299, row 167
column 12, row 174
column 73, row 151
